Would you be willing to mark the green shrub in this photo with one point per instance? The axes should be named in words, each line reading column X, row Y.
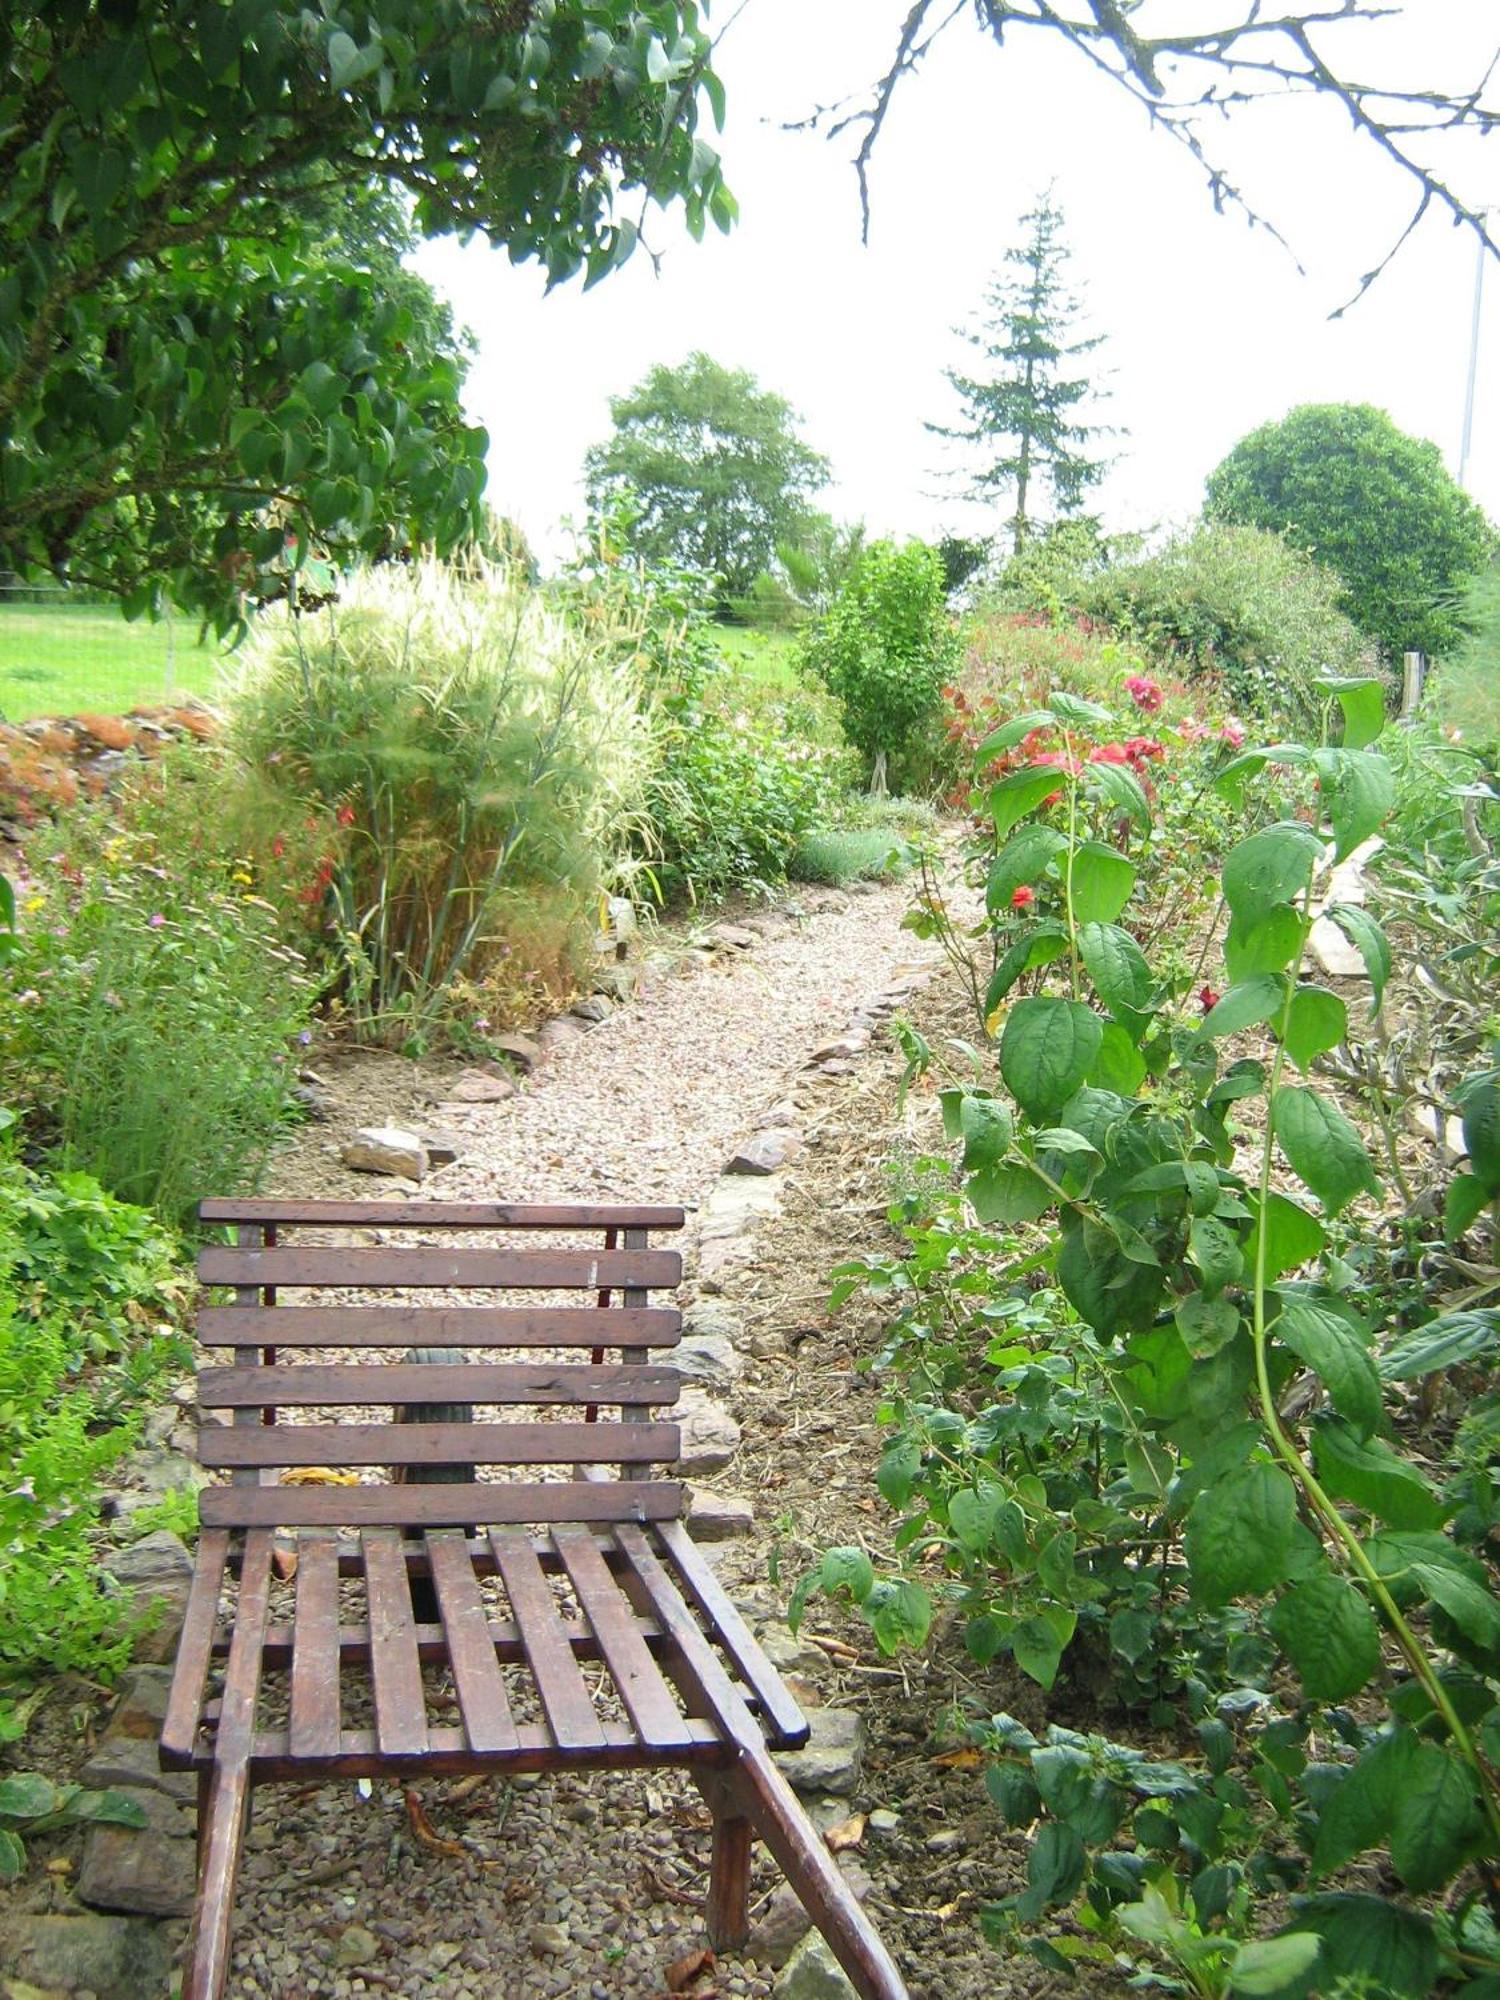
column 884, row 650
column 1238, row 603
column 838, row 855
column 476, row 752
column 150, row 1013
column 1464, row 690
column 89, row 1287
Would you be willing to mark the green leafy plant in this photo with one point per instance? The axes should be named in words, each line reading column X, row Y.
column 30, row 1800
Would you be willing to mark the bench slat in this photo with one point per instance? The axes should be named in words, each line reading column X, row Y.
column 647, row 1698
column 440, row 1214
column 242, row 1675
column 395, row 1670
column 356, row 1265
column 564, row 1693
column 703, row 1589
column 482, row 1700
column 359, row 1755
column 313, row 1723
column 385, row 1325
column 438, row 1444
column 373, row 1382
column 439, row 1506
column 195, row 1648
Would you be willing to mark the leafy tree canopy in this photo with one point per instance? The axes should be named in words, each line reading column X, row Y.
column 1372, row 504
column 195, row 368
column 719, row 475
column 1021, row 412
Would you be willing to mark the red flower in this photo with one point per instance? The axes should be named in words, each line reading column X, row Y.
column 1022, row 898
column 1139, row 748
column 1232, row 734
column 278, row 847
column 1144, row 693
column 345, row 815
column 1109, row 753
column 1207, row 999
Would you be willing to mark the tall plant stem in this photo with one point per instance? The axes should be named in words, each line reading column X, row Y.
column 1343, row 1536
column 1074, row 968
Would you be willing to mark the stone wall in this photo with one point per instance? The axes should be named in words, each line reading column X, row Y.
column 54, row 760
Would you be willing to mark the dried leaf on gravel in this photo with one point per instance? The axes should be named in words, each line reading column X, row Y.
column 966, row 1759
column 316, row 1475
column 683, row 1971
column 848, row 1833
column 426, row 1832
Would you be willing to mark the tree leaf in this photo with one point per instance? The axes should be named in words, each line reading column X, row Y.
column 1293, row 1237
column 1359, row 789
column 1271, row 867
column 1037, row 1643
column 1046, row 1051
column 1316, row 1021
column 1321, row 1146
column 1437, row 1819
column 1328, row 1631
column 1270, row 944
column 1479, row 1103
column 1466, row 1200
column 1206, row 1324
column 1009, row 1193
column 1444, row 1342
column 1122, row 789
column 1267, row 1965
column 1258, row 999
column 1367, row 1472
column 1331, row 1346
column 1020, row 791
column 1373, row 1942
column 1098, row 883
column 1363, row 701
column 1022, row 862
column 1369, row 940
column 1215, row 1249
column 1468, row 1603
column 1009, row 734
column 1361, row 1810
column 1119, row 1065
column 1118, row 968
column 1239, row 1532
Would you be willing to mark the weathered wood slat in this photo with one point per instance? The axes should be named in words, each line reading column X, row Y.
column 648, row 1700
column 703, row 1589
column 561, row 1443
column 482, row 1700
column 382, row 1325
column 422, row 1266
column 317, row 1650
column 619, row 1749
column 440, row 1214
column 432, row 1643
column 195, row 1649
column 438, row 1506
column 564, row 1694
column 395, row 1670
column 371, row 1382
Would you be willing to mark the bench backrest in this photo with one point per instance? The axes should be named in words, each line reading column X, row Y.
column 585, row 1442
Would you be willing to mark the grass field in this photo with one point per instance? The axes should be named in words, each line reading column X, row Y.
column 768, row 657
column 74, row 659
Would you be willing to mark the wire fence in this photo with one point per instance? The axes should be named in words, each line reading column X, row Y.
column 67, row 652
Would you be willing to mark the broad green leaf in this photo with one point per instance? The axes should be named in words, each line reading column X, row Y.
column 1444, row 1342
column 896, row 1474
column 1468, row 1603
column 1098, row 883
column 1267, row 1965
column 1206, row 1324
column 1293, row 1237
column 12, row 1856
column 1056, row 1863
column 1270, row 944
column 1258, row 999
column 973, row 1517
column 27, row 1795
column 847, row 1569
column 1046, row 1051
column 1118, row 968
column 1374, row 1942
column 1038, row 1643
column 1122, row 789
column 986, row 1128
column 1009, row 1193
column 1316, row 1022
column 1021, row 792
column 1114, row 1293
column 1322, row 1147
column 902, row 1616
column 1328, row 1631
column 1075, row 710
column 1479, row 1102
column 1239, row 1532
column 1022, row 863
column 1008, row 735
column 1363, row 703
column 1369, row 940
column 1466, row 1200
column 1015, row 961
column 1119, row 1065
column 1437, row 1819
column 1215, row 1249
column 1271, row 867
column 1362, row 1807
column 1367, row 1472
column 1326, row 1341
column 109, row 1808
column 1359, row 789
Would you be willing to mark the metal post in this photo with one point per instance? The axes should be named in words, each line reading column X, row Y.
column 1468, row 431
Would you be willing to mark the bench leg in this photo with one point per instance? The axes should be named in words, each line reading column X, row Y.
column 727, row 1913
column 223, row 1814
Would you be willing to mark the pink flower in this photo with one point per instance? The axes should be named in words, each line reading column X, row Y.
column 1233, row 734
column 1146, row 694
column 156, row 921
column 1022, row 898
column 1109, row 753
column 1139, row 748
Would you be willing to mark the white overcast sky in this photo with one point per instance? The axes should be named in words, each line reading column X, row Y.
column 1211, row 330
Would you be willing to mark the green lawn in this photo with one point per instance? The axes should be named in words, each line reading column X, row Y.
column 72, row 659
column 768, row 657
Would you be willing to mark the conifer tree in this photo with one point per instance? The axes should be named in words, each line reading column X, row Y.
column 1020, row 410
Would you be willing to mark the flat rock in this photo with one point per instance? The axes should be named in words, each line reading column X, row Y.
column 554, row 1036
column 126, row 1752
column 525, row 1053
column 732, row 937
column 711, row 1317
column 785, row 1924
column 155, row 1575
column 813, row 1973
column 708, row 1358
column 718, row 1517
column 791, row 1655
column 710, row 1436
column 834, row 1757
column 1333, row 951
column 444, row 1149
column 764, row 1153
column 356, row 1946
column 593, row 1008
column 115, row 1958
column 386, row 1149
column 615, row 981
column 479, row 1086
column 163, row 1470
column 146, row 1871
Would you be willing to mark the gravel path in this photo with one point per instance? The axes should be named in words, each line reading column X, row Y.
column 567, row 1886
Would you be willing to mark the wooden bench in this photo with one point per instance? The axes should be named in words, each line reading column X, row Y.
column 439, row 1618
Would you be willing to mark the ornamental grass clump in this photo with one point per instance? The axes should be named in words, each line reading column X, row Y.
column 474, row 753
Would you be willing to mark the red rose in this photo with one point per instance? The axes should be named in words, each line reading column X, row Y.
column 1022, row 898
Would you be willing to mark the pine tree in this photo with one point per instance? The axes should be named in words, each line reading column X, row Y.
column 1020, row 408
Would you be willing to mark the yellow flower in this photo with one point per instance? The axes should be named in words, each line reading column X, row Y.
column 36, row 903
